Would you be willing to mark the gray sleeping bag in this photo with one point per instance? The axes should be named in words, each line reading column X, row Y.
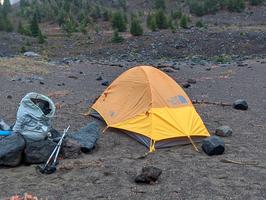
column 31, row 121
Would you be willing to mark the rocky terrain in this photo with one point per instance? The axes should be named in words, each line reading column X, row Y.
column 226, row 62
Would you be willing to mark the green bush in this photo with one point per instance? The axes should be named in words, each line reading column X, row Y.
column 34, row 26
column 116, row 37
column 204, row 7
column 135, row 28
column 199, row 24
column 256, row 2
column 184, row 21
column 161, row 20
column 159, row 4
column 176, row 14
column 197, row 7
column 151, row 22
column 41, row 38
column 222, row 59
column 69, row 26
column 236, row 5
column 119, row 21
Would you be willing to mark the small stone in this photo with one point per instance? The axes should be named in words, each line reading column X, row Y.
column 186, row 85
column 168, row 69
column 148, row 175
column 105, row 83
column 224, row 131
column 191, row 81
column 31, row 54
column 99, row 78
column 240, row 104
column 213, row 146
column 240, row 64
column 73, row 77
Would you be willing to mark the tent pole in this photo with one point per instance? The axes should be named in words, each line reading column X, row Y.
column 195, row 147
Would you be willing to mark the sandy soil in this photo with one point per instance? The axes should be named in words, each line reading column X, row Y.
column 109, row 171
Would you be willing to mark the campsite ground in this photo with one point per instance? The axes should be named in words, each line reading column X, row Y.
column 109, row 171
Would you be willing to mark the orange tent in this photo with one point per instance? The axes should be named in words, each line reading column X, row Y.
column 149, row 104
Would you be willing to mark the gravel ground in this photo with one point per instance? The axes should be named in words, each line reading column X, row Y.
column 109, row 171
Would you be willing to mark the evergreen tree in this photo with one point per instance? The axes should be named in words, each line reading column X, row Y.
column 70, row 26
column 34, row 26
column 161, row 20
column 118, row 22
column 151, row 22
column 6, row 7
column 41, row 38
column 159, row 4
column 136, row 28
column 116, row 37
column 184, row 21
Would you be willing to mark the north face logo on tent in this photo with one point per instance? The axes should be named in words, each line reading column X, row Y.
column 112, row 113
column 176, row 100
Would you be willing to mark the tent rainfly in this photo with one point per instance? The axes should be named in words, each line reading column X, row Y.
column 151, row 107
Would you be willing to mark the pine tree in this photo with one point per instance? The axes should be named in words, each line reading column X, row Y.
column 34, row 26
column 41, row 38
column 116, row 37
column 161, row 20
column 118, row 22
column 6, row 7
column 184, row 21
column 136, row 28
column 159, row 4
column 151, row 22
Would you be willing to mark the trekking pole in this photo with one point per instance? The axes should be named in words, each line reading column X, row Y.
column 59, row 146
column 55, row 151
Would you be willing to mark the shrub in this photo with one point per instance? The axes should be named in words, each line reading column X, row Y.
column 151, row 22
column 118, row 22
column 161, row 20
column 236, row 5
column 176, row 14
column 197, row 7
column 184, row 21
column 212, row 6
column 34, row 26
column 23, row 49
column 136, row 28
column 69, row 26
column 159, row 4
column 199, row 24
column 222, row 59
column 256, row 2
column 116, row 37
column 41, row 38
column 204, row 7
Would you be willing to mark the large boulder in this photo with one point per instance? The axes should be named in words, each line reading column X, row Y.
column 148, row 175
column 213, row 146
column 38, row 151
column 240, row 104
column 11, row 150
column 87, row 136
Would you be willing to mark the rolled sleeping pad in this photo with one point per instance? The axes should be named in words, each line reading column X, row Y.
column 5, row 133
